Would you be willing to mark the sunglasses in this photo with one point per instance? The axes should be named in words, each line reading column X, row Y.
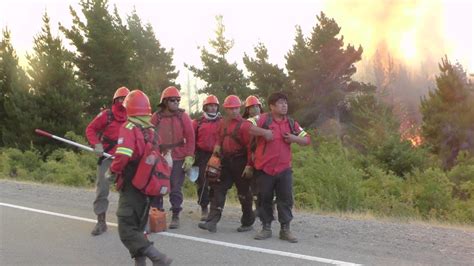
column 174, row 100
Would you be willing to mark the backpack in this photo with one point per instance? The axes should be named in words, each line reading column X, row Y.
column 152, row 177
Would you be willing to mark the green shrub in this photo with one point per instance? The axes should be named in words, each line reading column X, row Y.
column 17, row 164
column 429, row 192
column 461, row 174
column 382, row 194
column 325, row 178
column 399, row 156
column 66, row 167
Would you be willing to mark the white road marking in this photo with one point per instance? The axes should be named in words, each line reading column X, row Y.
column 198, row 239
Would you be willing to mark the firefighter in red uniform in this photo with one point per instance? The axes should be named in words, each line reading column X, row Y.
column 133, row 207
column 253, row 109
column 273, row 164
column 102, row 134
column 206, row 130
column 177, row 134
column 233, row 146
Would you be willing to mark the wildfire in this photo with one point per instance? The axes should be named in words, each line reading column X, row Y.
column 413, row 31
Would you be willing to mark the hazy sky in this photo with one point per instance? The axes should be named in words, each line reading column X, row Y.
column 184, row 25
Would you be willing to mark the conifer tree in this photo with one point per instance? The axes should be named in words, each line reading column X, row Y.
column 58, row 93
column 222, row 78
column 266, row 77
column 16, row 101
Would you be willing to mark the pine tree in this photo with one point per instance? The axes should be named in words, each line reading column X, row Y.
column 152, row 64
column 320, row 70
column 16, row 103
column 448, row 117
column 102, row 51
column 59, row 94
column 222, row 78
column 266, row 77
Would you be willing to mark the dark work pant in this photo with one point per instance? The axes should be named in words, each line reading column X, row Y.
column 101, row 202
column 202, row 157
column 232, row 169
column 132, row 216
column 176, row 193
column 280, row 185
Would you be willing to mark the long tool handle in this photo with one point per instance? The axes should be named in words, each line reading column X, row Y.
column 70, row 142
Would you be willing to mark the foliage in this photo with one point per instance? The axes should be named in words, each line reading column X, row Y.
column 266, row 77
column 222, row 78
column 102, row 51
column 325, row 178
column 448, row 117
column 59, row 96
column 319, row 70
column 61, row 167
column 153, row 68
column 16, row 101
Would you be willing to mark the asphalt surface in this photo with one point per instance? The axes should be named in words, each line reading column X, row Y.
column 50, row 225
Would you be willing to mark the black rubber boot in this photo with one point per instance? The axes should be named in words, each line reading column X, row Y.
column 174, row 221
column 211, row 222
column 285, row 234
column 101, row 225
column 244, row 228
column 265, row 233
column 158, row 258
column 209, row 226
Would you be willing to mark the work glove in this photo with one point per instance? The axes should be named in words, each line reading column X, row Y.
column 248, row 172
column 217, row 150
column 99, row 149
column 110, row 176
column 188, row 163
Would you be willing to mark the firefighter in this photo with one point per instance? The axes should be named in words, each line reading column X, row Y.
column 177, row 134
column 206, row 130
column 133, row 207
column 277, row 132
column 102, row 134
column 253, row 109
column 232, row 145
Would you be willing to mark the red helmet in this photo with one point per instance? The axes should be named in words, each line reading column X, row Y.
column 252, row 100
column 232, row 101
column 137, row 103
column 121, row 92
column 210, row 99
column 169, row 92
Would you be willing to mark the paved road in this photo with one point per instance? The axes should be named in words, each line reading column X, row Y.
column 50, row 225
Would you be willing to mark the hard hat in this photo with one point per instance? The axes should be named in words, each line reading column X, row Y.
column 121, row 92
column 232, row 101
column 137, row 103
column 211, row 99
column 252, row 100
column 169, row 92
